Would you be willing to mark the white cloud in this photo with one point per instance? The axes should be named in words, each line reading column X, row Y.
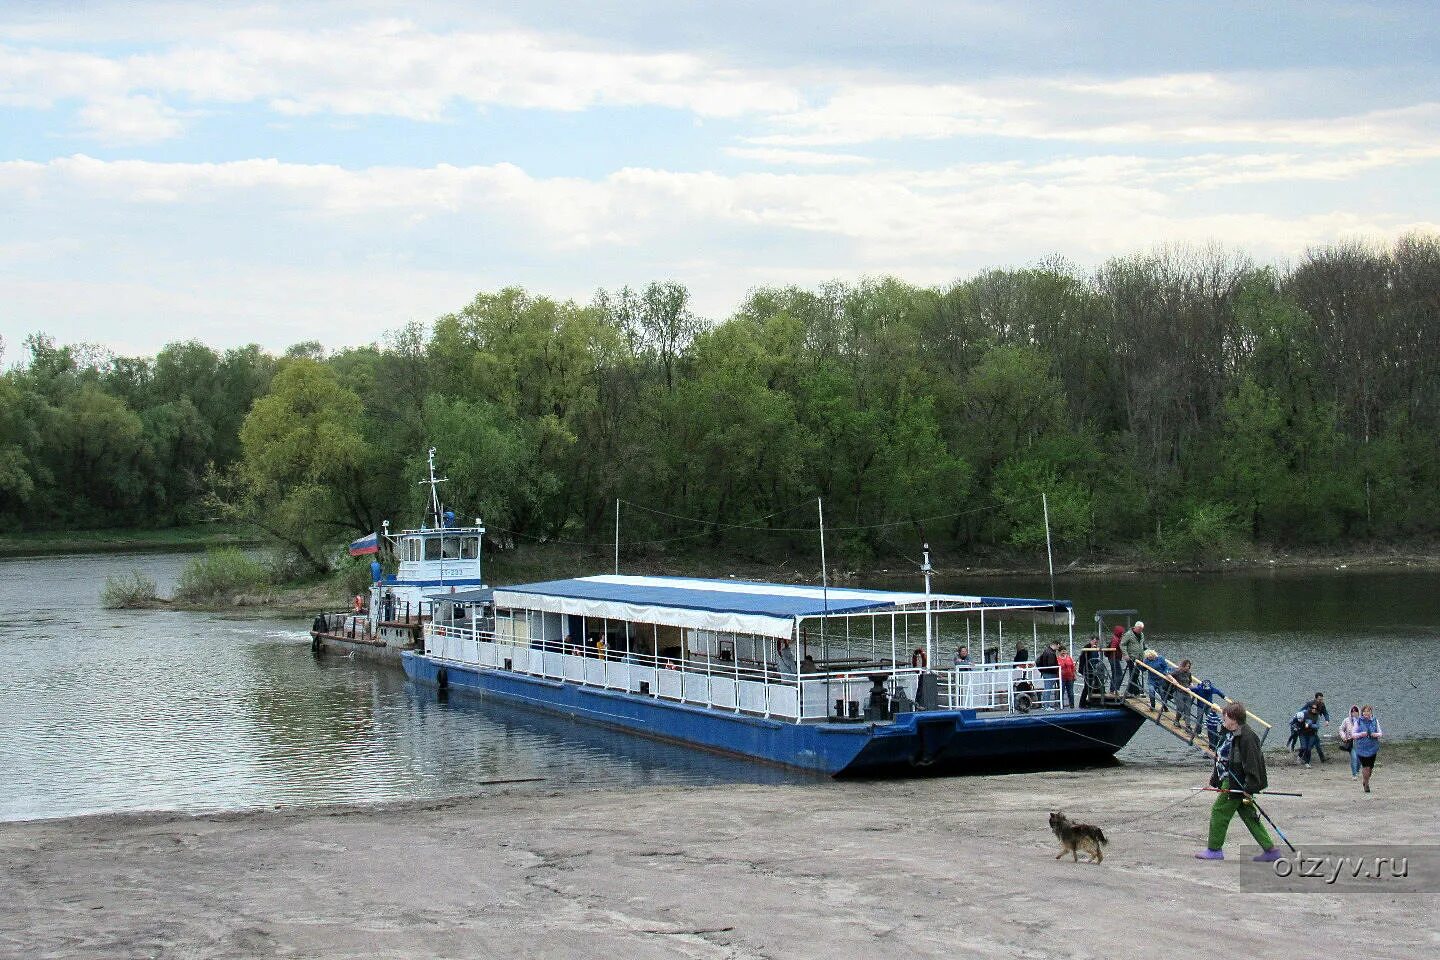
column 814, row 158
column 392, row 68
column 953, row 209
column 127, row 120
column 724, row 232
column 1167, row 109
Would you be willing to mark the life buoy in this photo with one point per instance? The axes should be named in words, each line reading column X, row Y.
column 358, row 603
column 918, row 659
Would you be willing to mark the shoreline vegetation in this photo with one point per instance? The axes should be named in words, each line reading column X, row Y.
column 197, row 538
column 228, row 579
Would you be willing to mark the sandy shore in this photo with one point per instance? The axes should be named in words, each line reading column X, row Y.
column 957, row 867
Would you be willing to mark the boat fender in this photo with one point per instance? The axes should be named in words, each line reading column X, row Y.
column 314, row 643
column 1023, row 702
column 442, row 678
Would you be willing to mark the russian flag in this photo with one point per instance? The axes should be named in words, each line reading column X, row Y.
column 364, row 545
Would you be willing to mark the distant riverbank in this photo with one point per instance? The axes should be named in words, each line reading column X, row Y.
column 549, row 562
column 170, row 540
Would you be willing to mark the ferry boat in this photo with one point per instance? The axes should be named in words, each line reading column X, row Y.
column 835, row 680
column 838, row 681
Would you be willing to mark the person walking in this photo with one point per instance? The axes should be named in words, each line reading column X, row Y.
column 1347, row 740
column 1309, row 733
column 1367, row 743
column 1180, row 679
column 1239, row 774
column 1155, row 682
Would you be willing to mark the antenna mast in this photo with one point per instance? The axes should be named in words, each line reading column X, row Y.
column 435, row 490
column 1049, row 556
column 929, row 617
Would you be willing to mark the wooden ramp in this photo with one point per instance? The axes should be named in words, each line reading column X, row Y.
column 1164, row 717
column 1191, row 726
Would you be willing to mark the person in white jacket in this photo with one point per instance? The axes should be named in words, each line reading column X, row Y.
column 1347, row 737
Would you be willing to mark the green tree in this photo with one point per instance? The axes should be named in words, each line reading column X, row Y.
column 302, row 479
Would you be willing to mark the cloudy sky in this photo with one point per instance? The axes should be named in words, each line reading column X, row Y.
column 281, row 171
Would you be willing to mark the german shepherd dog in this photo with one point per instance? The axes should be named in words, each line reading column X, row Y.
column 1075, row 837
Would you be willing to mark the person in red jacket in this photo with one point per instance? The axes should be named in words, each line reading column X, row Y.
column 1117, row 661
column 1067, row 676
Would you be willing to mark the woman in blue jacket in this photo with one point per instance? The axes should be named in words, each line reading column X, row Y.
column 1367, row 743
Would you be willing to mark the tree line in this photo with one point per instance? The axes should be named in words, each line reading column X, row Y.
column 1184, row 401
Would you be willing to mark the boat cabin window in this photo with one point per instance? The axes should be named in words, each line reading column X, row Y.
column 440, row 548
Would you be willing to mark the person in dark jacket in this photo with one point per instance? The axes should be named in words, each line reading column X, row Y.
column 1180, row 679
column 1322, row 714
column 1309, row 734
column 1319, row 704
column 1239, row 774
column 1048, row 663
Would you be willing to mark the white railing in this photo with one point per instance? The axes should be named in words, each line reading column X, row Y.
column 1005, row 687
column 744, row 687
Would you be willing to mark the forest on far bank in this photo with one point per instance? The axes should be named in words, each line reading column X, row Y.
column 1183, row 402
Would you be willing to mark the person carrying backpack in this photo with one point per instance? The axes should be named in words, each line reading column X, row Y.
column 1239, row 774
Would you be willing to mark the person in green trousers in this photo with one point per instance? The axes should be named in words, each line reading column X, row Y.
column 1239, row 775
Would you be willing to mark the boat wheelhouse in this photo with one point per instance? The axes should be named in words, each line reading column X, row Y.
column 439, row 557
column 835, row 680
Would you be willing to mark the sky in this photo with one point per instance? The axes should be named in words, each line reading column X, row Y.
column 286, row 171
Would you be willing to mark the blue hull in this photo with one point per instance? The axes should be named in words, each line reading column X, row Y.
column 937, row 741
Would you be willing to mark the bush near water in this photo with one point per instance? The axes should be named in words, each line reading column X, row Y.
column 230, row 577
column 125, row 591
column 221, row 573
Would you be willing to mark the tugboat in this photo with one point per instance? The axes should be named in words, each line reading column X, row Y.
column 440, row 558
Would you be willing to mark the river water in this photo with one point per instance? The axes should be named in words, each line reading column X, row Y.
column 141, row 710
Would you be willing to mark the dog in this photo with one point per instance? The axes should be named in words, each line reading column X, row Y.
column 1075, row 837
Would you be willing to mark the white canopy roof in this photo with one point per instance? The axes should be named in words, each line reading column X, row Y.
column 765, row 609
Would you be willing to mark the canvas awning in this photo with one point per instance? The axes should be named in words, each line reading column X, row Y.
column 472, row 595
column 764, row 609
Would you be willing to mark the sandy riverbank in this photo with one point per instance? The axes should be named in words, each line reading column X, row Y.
column 951, row 867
